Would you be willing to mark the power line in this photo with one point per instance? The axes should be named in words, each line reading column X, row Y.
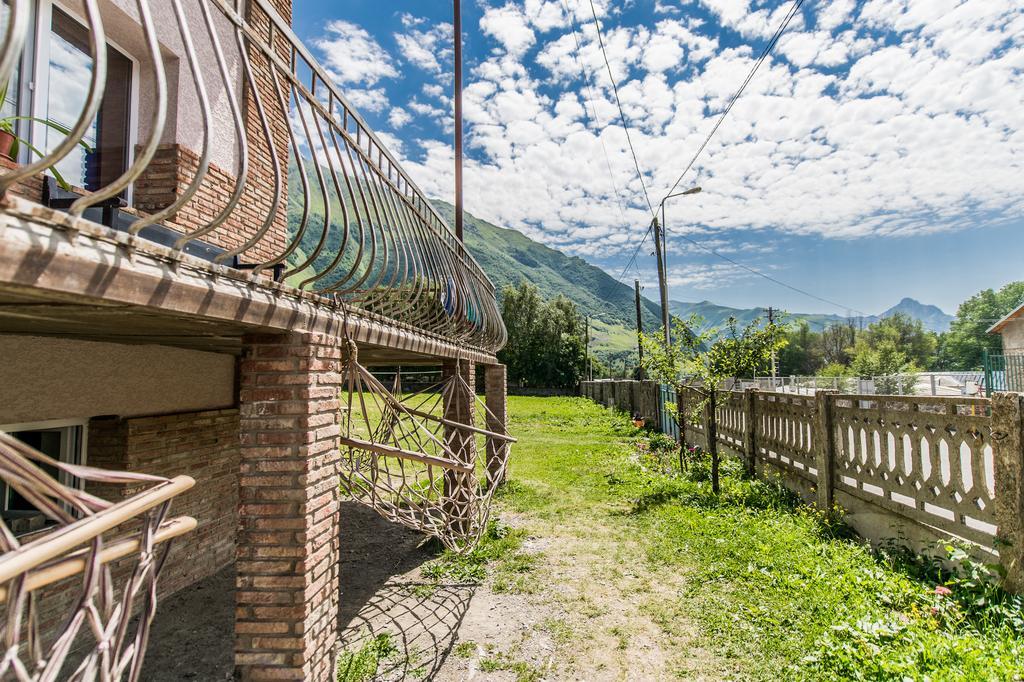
column 770, row 278
column 794, row 8
column 636, row 251
column 768, row 48
column 593, row 106
column 618, row 103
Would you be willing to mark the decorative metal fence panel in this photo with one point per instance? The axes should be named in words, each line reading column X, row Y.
column 666, row 412
column 1004, row 373
column 305, row 192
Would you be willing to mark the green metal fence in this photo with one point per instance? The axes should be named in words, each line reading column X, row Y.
column 1004, row 373
column 666, row 415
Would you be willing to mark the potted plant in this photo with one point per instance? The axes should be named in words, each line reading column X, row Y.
column 10, row 141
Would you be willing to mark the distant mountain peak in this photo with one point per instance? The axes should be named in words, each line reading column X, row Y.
column 931, row 316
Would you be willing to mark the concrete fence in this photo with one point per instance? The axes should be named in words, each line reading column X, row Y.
column 916, row 470
column 638, row 398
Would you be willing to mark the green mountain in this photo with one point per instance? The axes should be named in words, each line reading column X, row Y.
column 718, row 315
column 510, row 257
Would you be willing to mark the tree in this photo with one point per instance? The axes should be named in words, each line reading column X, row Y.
column 802, row 354
column 546, row 339
column 703, row 362
column 968, row 338
column 907, row 334
column 883, row 352
column 836, row 342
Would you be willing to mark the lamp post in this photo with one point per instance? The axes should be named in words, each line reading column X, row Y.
column 661, row 253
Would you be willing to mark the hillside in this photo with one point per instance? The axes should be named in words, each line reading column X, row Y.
column 509, row 257
column 932, row 317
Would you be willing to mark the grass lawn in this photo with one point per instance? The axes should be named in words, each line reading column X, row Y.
column 770, row 589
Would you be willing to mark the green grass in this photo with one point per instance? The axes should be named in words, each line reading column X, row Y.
column 498, row 554
column 775, row 588
column 363, row 665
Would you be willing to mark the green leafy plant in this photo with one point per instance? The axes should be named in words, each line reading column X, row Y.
column 8, row 125
column 701, row 362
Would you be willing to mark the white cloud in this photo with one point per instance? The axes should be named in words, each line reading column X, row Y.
column 399, row 117
column 373, row 100
column 872, row 120
column 351, row 55
column 427, row 49
column 509, row 26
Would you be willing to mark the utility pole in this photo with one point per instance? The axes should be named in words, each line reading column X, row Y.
column 659, row 254
column 459, row 218
column 639, row 324
column 771, row 320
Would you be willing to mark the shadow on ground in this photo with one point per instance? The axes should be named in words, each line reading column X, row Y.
column 381, row 592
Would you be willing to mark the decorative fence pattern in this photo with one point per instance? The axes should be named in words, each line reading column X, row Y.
column 783, row 433
column 954, row 465
column 928, row 458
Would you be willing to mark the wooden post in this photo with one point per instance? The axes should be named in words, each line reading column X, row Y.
column 711, row 437
column 750, row 437
column 1008, row 450
column 496, row 397
column 681, row 414
column 824, row 448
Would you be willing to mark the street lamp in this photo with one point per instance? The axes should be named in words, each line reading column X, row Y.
column 661, row 252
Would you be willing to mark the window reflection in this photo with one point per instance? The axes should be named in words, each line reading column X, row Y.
column 70, row 69
column 9, row 106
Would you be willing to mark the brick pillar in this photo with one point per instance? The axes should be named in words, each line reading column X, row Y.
column 496, row 398
column 287, row 547
column 1008, row 447
column 459, row 406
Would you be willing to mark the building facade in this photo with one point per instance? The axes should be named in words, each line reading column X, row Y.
column 188, row 277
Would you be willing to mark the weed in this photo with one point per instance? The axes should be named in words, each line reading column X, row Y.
column 465, row 649
column 778, row 588
column 362, row 665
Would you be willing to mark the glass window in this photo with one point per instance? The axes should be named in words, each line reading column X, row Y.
column 63, row 443
column 69, row 76
column 9, row 106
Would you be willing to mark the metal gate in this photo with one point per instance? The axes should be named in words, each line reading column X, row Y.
column 667, row 412
column 1004, row 373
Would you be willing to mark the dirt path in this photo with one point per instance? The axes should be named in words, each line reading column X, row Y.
column 580, row 613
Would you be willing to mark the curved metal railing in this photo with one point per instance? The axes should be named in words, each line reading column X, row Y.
column 337, row 212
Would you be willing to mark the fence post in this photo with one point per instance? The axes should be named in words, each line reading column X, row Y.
column 824, row 448
column 681, row 414
column 750, row 422
column 1008, row 451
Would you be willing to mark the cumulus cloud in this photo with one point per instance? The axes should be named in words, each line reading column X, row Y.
column 352, row 55
column 872, row 120
column 398, row 117
column 428, row 49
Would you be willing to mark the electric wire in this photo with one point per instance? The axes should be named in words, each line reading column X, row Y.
column 618, row 103
column 794, row 8
column 587, row 80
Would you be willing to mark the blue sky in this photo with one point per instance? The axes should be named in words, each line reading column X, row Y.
column 877, row 155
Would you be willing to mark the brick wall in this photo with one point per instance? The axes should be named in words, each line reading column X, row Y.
column 288, row 545
column 174, row 166
column 203, row 445
column 30, row 189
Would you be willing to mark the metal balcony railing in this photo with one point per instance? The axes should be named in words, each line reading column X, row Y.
column 361, row 233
